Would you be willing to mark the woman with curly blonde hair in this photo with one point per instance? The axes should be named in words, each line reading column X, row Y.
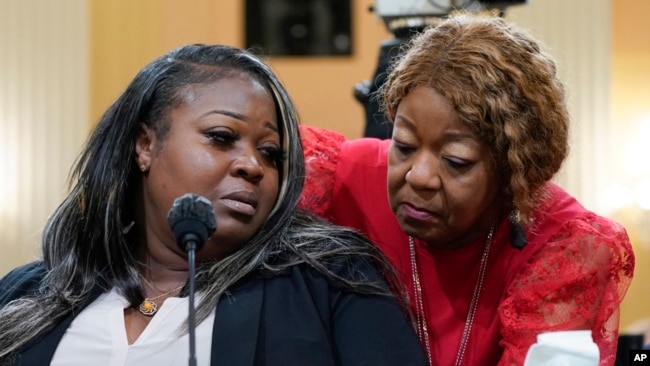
column 493, row 253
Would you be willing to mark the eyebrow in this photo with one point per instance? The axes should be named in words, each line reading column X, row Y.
column 459, row 136
column 454, row 136
column 240, row 117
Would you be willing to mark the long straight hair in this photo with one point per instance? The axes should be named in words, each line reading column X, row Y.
column 89, row 241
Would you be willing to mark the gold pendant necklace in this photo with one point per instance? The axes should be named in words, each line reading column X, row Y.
column 148, row 307
column 423, row 331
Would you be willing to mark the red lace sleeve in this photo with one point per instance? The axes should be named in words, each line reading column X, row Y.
column 577, row 280
column 321, row 149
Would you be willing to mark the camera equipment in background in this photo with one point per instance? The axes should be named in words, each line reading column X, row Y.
column 403, row 18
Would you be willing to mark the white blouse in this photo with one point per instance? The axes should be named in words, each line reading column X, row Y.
column 97, row 336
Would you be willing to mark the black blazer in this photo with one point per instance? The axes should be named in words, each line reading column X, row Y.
column 293, row 319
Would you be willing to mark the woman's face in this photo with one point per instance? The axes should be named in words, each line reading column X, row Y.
column 441, row 182
column 223, row 144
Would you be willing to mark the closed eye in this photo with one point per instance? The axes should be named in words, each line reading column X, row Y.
column 403, row 149
column 458, row 164
column 222, row 137
column 274, row 154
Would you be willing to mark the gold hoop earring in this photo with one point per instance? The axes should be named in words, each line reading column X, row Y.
column 143, row 168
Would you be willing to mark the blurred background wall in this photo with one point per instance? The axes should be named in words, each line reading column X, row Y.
column 44, row 114
column 62, row 62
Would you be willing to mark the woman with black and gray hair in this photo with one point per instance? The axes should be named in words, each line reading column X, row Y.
column 275, row 286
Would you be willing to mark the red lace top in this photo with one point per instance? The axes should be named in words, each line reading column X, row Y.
column 572, row 274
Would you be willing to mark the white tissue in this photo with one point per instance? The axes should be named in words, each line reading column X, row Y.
column 565, row 348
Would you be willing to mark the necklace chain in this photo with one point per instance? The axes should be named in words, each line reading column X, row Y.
column 422, row 329
column 423, row 332
column 149, row 307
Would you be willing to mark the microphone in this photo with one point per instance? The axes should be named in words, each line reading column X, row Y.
column 192, row 221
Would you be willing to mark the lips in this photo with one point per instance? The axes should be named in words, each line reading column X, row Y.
column 243, row 202
column 417, row 213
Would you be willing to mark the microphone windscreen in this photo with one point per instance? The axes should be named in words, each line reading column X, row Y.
column 192, row 217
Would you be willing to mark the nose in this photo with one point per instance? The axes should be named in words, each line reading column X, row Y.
column 424, row 174
column 248, row 166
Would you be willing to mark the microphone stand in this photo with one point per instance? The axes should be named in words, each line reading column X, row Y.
column 190, row 246
column 192, row 220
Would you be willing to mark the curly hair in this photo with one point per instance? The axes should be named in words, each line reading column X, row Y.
column 503, row 86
